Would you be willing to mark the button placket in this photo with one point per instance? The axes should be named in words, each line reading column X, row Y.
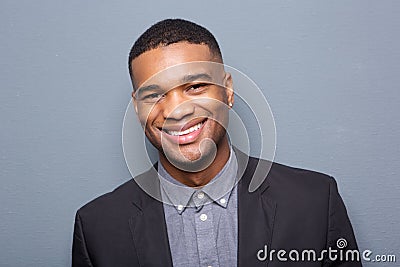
column 206, row 236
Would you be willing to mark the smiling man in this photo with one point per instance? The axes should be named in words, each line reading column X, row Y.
column 194, row 207
column 182, row 99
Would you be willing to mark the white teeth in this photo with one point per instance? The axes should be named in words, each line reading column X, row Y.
column 191, row 129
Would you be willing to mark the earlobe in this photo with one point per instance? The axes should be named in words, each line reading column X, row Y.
column 228, row 83
column 134, row 102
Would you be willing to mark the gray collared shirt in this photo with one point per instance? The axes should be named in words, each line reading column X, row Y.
column 202, row 224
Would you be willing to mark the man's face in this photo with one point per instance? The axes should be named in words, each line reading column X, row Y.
column 181, row 98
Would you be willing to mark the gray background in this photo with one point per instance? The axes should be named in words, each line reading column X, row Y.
column 330, row 70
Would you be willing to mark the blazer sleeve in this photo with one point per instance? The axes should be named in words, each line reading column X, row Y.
column 80, row 255
column 340, row 234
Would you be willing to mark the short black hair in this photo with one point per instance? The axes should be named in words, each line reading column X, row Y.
column 170, row 31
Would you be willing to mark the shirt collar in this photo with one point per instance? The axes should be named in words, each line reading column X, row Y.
column 217, row 190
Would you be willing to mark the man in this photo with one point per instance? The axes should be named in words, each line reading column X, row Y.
column 194, row 207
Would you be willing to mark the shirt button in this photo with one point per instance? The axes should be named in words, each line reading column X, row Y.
column 180, row 207
column 203, row 217
column 200, row 195
column 222, row 200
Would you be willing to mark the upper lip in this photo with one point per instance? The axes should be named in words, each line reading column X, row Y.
column 183, row 126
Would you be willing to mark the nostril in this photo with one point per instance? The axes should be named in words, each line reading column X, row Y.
column 178, row 112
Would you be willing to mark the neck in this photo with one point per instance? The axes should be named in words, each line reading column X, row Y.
column 201, row 178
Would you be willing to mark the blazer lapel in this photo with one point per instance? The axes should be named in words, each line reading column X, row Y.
column 148, row 227
column 256, row 214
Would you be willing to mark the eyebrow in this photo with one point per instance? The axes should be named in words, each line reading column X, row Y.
column 186, row 79
column 193, row 77
column 151, row 87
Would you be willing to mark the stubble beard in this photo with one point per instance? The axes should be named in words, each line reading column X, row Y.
column 192, row 157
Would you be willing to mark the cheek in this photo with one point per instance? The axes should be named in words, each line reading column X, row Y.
column 219, row 114
column 216, row 100
column 146, row 115
column 142, row 119
column 216, row 106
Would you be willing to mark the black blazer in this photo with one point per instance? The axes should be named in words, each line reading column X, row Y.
column 291, row 209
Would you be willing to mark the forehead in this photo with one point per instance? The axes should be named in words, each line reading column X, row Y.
column 156, row 60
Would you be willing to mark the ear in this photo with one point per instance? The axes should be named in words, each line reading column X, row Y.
column 134, row 102
column 228, row 83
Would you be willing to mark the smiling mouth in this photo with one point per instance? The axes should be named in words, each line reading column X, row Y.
column 187, row 131
column 187, row 134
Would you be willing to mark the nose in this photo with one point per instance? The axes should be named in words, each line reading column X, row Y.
column 176, row 106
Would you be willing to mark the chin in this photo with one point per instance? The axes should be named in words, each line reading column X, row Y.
column 195, row 158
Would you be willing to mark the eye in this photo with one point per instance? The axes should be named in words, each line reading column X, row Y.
column 196, row 88
column 153, row 96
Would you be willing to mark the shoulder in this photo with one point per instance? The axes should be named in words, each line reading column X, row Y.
column 284, row 174
column 288, row 182
column 265, row 173
column 115, row 203
column 117, row 195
